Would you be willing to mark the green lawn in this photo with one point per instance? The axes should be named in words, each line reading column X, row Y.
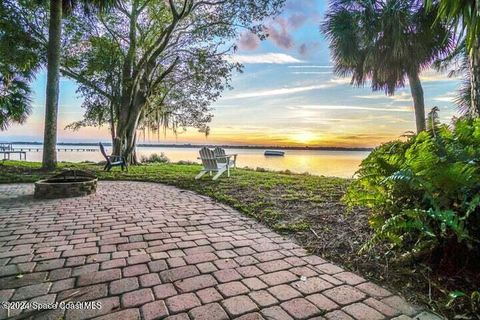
column 266, row 196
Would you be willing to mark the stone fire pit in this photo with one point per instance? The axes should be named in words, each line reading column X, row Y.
column 70, row 183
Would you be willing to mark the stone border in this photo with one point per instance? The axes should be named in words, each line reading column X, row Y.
column 48, row 189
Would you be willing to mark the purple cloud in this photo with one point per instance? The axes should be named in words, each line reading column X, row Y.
column 305, row 48
column 248, row 41
column 297, row 19
column 278, row 33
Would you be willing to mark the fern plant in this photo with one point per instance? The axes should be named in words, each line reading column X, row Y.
column 424, row 193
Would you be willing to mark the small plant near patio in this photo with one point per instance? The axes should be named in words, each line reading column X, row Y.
column 155, row 158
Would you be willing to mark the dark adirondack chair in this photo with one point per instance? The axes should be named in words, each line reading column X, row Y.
column 113, row 160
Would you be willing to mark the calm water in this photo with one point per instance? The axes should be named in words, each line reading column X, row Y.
column 328, row 163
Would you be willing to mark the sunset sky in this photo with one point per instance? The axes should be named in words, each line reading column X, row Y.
column 287, row 95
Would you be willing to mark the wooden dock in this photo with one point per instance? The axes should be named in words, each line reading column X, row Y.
column 59, row 149
column 7, row 149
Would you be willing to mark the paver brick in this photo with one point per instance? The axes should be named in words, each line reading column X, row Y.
column 149, row 280
column 175, row 274
column 195, row 283
column 212, row 311
column 164, row 291
column 300, row 308
column 344, row 294
column 135, row 270
column 137, row 298
column 338, row 315
column 182, row 302
column 361, row 311
column 232, row 288
column 311, row 285
column 98, row 277
column 284, row 292
column 349, row 278
column 154, row 310
column 278, row 277
column 381, row 307
column 107, row 305
column 127, row 314
column 80, row 252
column 276, row 313
column 209, row 295
column 373, row 290
column 28, row 292
column 263, row 298
column 239, row 305
column 84, row 293
column 322, row 302
column 227, row 275
column 123, row 285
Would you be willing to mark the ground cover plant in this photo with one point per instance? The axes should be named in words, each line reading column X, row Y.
column 424, row 199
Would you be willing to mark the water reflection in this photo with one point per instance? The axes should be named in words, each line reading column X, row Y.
column 328, row 163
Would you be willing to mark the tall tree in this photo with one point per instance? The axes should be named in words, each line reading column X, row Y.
column 465, row 14
column 57, row 9
column 157, row 38
column 387, row 42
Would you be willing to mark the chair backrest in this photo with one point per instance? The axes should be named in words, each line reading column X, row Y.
column 102, row 150
column 208, row 159
column 220, row 152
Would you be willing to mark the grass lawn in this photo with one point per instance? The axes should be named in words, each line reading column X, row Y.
column 305, row 207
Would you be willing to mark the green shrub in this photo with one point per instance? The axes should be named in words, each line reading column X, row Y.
column 155, row 158
column 424, row 193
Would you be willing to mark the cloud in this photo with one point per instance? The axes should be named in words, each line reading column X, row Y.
column 448, row 97
column 276, row 92
column 311, row 66
column 248, row 41
column 311, row 72
column 332, row 107
column 305, row 48
column 398, row 97
column 279, row 33
column 297, row 19
column 273, row 58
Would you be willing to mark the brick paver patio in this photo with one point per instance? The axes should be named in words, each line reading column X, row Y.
column 150, row 251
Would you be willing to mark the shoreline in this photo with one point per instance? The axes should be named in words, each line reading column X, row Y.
column 172, row 145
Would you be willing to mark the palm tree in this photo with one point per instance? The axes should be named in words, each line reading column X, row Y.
column 57, row 9
column 19, row 62
column 387, row 42
column 466, row 15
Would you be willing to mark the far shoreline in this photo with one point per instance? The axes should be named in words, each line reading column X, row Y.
column 188, row 145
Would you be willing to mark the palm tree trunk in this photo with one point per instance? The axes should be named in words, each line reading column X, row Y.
column 51, row 106
column 418, row 101
column 475, row 79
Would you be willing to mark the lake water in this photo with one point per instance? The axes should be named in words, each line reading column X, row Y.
column 318, row 162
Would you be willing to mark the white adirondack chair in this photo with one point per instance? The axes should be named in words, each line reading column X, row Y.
column 211, row 164
column 223, row 157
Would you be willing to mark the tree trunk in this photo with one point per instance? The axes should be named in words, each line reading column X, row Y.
column 51, row 106
column 475, row 79
column 418, row 101
column 112, row 123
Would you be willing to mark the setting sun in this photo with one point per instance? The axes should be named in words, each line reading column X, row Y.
column 304, row 137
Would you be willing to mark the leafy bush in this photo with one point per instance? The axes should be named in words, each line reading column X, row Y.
column 424, row 193
column 155, row 158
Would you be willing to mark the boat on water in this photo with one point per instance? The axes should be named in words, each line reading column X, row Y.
column 274, row 153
